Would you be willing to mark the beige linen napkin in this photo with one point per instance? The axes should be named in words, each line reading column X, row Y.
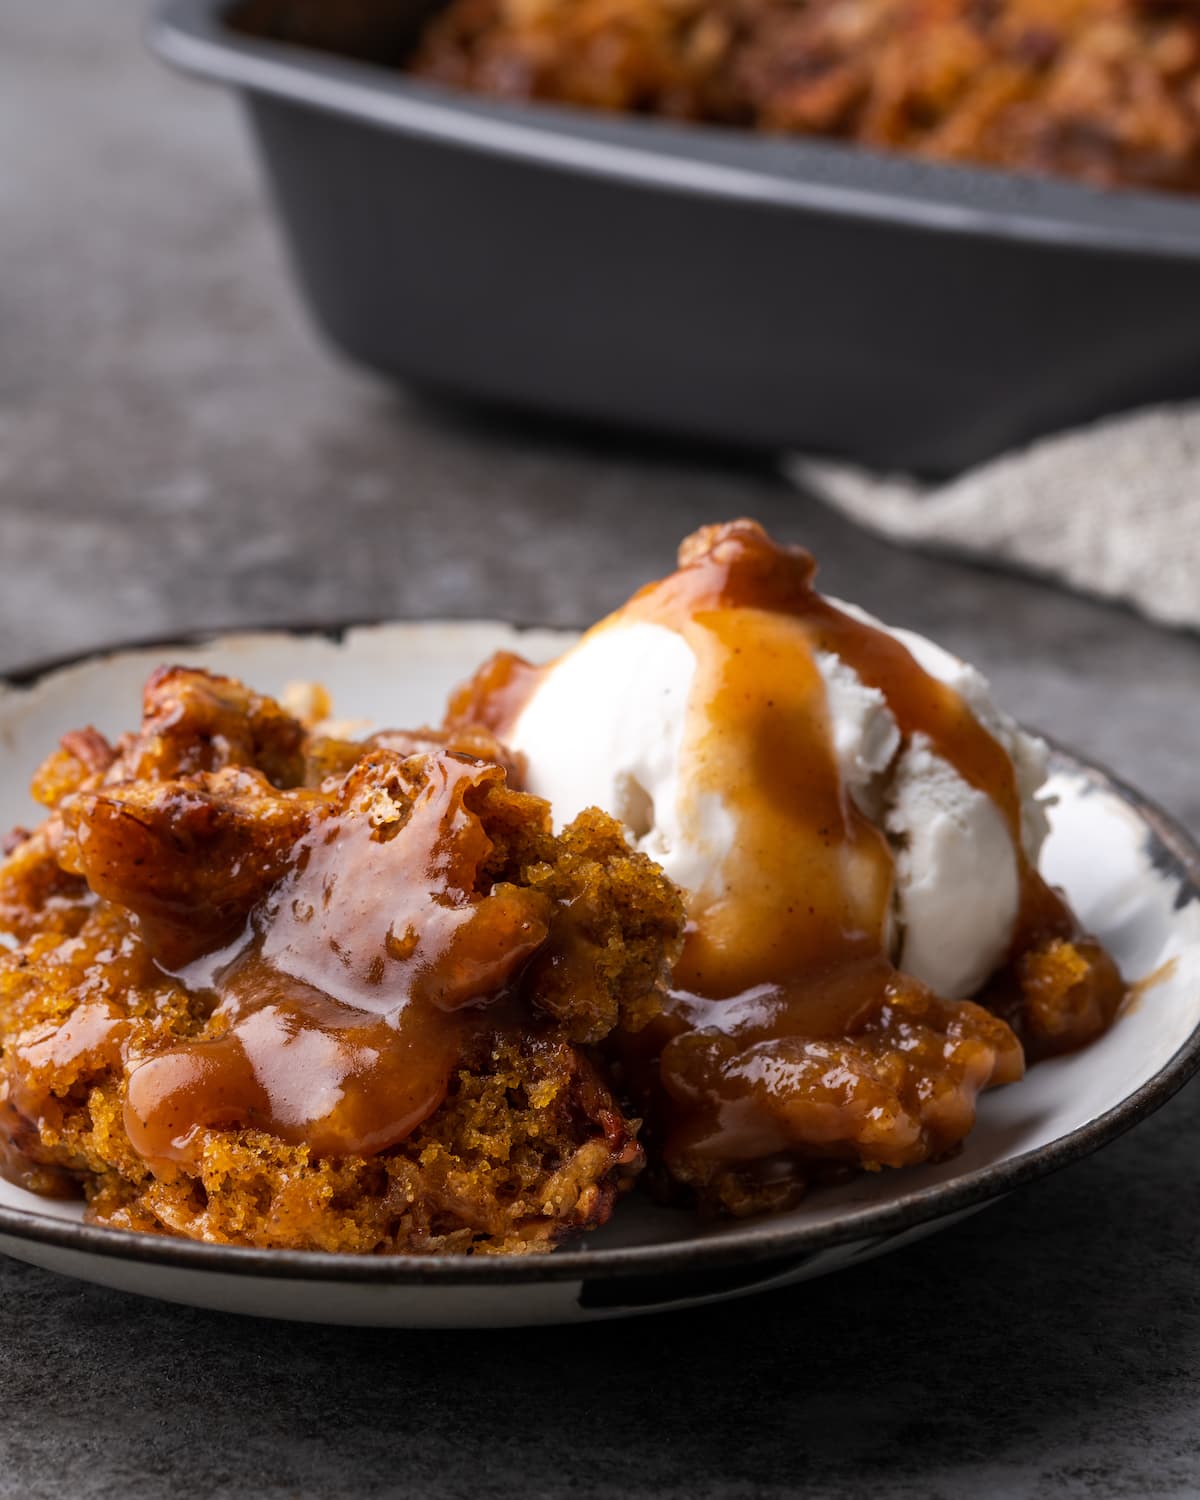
column 1111, row 509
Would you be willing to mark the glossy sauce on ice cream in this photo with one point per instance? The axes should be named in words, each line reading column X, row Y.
column 791, row 937
column 807, row 881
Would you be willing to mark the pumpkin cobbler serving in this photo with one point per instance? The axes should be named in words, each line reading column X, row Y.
column 740, row 893
column 280, row 990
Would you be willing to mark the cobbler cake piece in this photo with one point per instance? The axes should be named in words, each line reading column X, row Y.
column 355, row 1015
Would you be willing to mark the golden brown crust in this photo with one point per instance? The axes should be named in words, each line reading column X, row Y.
column 1059, row 995
column 161, row 848
column 188, row 856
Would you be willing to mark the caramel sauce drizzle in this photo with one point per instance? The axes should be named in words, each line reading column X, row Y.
column 373, row 964
column 750, row 611
column 792, row 938
column 93, row 1030
column 807, row 885
column 361, row 979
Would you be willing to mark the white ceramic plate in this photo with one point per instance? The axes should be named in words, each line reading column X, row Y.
column 1133, row 877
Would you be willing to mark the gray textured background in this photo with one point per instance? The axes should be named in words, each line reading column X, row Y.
column 176, row 451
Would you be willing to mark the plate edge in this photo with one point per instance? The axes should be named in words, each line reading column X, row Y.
column 919, row 1207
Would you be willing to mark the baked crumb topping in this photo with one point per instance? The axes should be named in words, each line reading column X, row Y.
column 1107, row 91
column 281, row 991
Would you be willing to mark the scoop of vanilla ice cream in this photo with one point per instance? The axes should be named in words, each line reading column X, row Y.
column 605, row 728
column 957, row 880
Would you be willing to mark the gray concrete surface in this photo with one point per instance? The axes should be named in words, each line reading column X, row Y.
column 176, row 451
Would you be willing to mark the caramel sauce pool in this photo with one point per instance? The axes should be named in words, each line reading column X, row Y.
column 361, row 980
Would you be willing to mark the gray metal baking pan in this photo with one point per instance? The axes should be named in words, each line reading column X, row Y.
column 703, row 281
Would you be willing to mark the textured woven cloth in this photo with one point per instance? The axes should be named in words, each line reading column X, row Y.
column 1111, row 509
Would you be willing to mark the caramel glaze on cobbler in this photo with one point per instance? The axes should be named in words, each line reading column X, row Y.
column 789, row 1042
column 268, row 986
column 276, row 989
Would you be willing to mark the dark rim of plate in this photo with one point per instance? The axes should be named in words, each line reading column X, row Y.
column 755, row 1242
